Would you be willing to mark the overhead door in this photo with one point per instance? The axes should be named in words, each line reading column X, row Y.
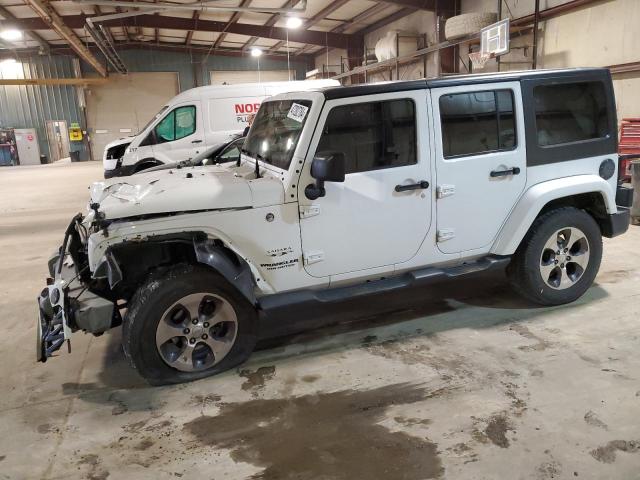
column 124, row 104
column 232, row 77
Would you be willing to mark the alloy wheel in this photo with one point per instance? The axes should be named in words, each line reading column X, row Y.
column 196, row 332
column 564, row 258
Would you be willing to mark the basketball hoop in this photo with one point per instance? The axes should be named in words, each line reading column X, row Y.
column 479, row 59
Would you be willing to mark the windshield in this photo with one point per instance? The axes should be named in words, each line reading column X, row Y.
column 275, row 131
column 154, row 118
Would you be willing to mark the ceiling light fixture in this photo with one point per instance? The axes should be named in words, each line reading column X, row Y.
column 294, row 22
column 256, row 52
column 11, row 35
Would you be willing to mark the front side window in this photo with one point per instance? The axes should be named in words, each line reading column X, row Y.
column 477, row 122
column 178, row 124
column 571, row 112
column 372, row 135
column 275, row 131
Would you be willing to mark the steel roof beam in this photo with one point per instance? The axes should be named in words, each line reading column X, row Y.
column 9, row 17
column 334, row 40
column 50, row 18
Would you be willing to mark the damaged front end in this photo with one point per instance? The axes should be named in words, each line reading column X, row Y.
column 73, row 299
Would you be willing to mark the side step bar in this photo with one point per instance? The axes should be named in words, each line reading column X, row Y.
column 424, row 276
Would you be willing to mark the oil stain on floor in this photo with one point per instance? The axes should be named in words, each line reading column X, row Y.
column 327, row 435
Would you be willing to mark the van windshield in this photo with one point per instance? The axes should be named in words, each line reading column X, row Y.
column 154, row 118
column 275, row 131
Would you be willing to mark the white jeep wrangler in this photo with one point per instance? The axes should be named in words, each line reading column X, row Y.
column 343, row 192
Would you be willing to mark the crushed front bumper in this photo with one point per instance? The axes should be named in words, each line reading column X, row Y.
column 67, row 304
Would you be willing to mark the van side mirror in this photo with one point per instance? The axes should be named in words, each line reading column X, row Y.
column 150, row 139
column 325, row 167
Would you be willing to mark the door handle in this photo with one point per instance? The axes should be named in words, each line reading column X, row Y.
column 421, row 185
column 504, row 173
column 196, row 141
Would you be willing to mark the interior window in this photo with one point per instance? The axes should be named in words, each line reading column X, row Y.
column 178, row 124
column 477, row 122
column 372, row 135
column 231, row 153
column 570, row 112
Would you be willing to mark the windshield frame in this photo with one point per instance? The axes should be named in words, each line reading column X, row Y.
column 291, row 99
column 154, row 119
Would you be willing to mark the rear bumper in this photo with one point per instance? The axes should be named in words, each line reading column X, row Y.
column 616, row 223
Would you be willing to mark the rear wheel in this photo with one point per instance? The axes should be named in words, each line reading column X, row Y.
column 559, row 258
column 187, row 323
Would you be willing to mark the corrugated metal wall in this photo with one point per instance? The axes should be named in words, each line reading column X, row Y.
column 190, row 66
column 30, row 106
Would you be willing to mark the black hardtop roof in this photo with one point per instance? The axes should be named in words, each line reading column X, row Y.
column 455, row 80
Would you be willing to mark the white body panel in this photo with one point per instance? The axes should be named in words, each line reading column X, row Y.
column 365, row 205
column 473, row 208
column 362, row 228
column 222, row 111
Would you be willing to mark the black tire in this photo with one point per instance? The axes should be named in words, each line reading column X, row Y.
column 524, row 270
column 156, row 296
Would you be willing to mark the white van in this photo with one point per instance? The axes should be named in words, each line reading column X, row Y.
column 193, row 121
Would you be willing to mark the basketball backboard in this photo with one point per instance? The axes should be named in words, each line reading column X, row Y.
column 494, row 39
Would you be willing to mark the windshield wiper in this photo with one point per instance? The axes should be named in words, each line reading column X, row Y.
column 258, row 157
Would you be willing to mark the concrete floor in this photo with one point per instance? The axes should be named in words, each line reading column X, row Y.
column 463, row 381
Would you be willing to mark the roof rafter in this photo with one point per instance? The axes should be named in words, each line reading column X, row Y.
column 52, row 20
column 10, row 17
column 336, row 40
column 234, row 18
column 321, row 15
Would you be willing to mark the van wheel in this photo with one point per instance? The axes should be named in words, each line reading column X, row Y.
column 187, row 323
column 559, row 257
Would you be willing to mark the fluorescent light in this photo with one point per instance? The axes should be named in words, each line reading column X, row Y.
column 11, row 35
column 294, row 22
column 256, row 52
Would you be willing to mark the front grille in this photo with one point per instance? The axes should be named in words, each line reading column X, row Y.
column 117, row 152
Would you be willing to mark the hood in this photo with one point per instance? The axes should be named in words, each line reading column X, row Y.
column 184, row 190
column 119, row 141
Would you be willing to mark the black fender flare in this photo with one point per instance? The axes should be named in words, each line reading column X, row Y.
column 232, row 267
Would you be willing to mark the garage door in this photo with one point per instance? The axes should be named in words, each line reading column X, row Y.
column 231, row 77
column 123, row 105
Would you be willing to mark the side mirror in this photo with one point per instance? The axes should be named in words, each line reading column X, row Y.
column 326, row 167
column 150, row 139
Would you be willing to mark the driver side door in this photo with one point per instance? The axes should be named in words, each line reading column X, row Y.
column 179, row 135
column 380, row 215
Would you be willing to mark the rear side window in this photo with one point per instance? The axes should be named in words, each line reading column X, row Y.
column 571, row 112
column 477, row 122
column 372, row 135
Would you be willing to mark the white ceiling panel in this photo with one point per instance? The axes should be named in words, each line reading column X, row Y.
column 325, row 25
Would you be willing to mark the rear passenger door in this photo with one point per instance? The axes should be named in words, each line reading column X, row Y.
column 480, row 162
column 366, row 222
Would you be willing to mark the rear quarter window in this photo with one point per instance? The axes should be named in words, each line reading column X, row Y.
column 571, row 112
column 569, row 115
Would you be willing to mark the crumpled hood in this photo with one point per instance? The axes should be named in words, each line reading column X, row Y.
column 183, row 190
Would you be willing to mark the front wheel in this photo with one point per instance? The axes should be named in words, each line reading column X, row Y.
column 559, row 257
column 187, row 323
